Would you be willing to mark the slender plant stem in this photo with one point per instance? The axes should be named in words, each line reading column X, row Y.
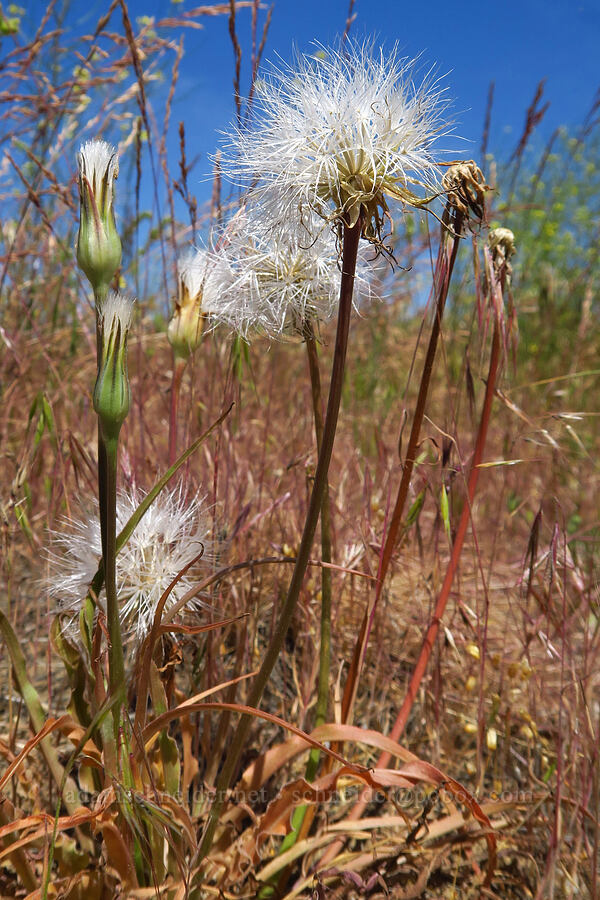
column 107, row 474
column 303, row 815
column 326, row 543
column 102, row 489
column 440, row 606
column 350, row 250
column 116, row 664
column 447, row 252
column 178, row 370
column 100, row 297
column 429, row 640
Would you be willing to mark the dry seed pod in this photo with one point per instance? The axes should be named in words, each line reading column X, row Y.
column 465, row 188
column 502, row 245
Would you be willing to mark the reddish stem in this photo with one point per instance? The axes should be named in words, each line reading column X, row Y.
column 457, row 546
column 349, row 253
column 443, row 273
column 178, row 369
column 429, row 640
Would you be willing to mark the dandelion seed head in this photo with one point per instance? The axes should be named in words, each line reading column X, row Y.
column 340, row 133
column 279, row 279
column 170, row 535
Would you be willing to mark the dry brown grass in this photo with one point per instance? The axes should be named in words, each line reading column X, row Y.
column 524, row 666
column 510, row 702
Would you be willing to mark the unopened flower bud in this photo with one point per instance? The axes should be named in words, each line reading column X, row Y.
column 184, row 331
column 112, row 395
column 98, row 244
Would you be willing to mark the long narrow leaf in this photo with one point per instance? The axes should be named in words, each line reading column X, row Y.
column 37, row 714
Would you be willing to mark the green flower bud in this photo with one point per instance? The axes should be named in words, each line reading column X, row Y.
column 98, row 244
column 112, row 395
column 184, row 331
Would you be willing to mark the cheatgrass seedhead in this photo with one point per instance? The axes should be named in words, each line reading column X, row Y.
column 98, row 243
column 342, row 132
column 112, row 394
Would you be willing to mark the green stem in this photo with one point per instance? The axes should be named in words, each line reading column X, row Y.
column 350, row 250
column 102, row 487
column 107, row 501
column 107, row 482
column 116, row 663
column 100, row 297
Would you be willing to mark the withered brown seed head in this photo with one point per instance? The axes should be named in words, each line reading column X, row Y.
column 501, row 242
column 465, row 188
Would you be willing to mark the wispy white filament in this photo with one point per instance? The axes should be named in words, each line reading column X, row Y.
column 99, row 162
column 339, row 130
column 275, row 280
column 170, row 535
column 117, row 310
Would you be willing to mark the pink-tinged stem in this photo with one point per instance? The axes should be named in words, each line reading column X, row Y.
column 443, row 273
column 432, row 631
column 429, row 641
column 178, row 369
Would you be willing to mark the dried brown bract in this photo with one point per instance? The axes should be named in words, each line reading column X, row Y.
column 465, row 188
column 502, row 246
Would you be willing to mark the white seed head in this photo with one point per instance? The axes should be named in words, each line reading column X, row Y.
column 277, row 280
column 169, row 536
column 339, row 132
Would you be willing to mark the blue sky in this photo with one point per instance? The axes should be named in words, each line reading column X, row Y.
column 515, row 44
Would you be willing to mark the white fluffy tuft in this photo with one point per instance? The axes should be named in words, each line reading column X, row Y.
column 173, row 531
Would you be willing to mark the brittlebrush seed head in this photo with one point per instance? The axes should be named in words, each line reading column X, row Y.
column 98, row 243
column 280, row 280
column 171, row 534
column 340, row 133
